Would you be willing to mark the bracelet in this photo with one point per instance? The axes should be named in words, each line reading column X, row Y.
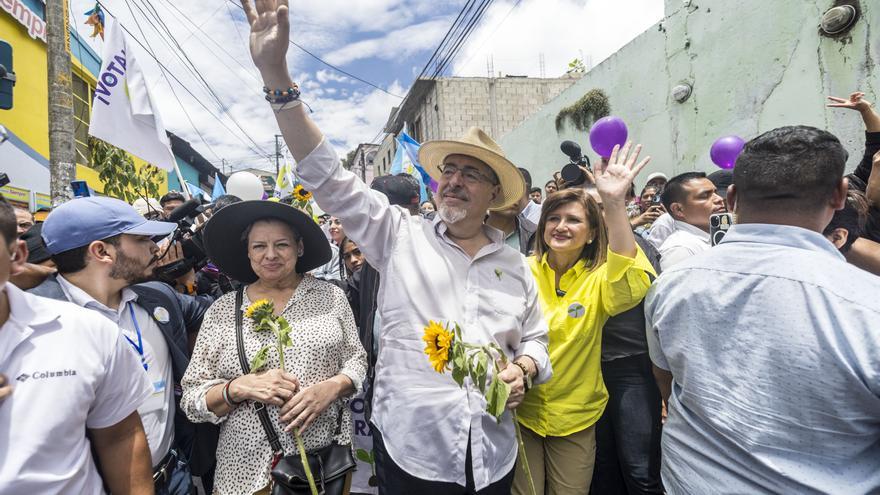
column 285, row 105
column 282, row 96
column 226, row 398
column 527, row 379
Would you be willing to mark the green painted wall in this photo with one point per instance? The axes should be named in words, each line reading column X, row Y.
column 754, row 65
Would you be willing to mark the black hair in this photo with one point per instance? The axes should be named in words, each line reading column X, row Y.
column 8, row 222
column 789, row 168
column 526, row 177
column 74, row 260
column 536, row 190
column 674, row 191
column 225, row 200
column 172, row 196
column 851, row 217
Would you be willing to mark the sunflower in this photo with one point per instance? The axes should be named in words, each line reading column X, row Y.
column 300, row 193
column 438, row 342
column 259, row 309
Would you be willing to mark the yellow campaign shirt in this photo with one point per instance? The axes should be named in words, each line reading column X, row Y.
column 575, row 397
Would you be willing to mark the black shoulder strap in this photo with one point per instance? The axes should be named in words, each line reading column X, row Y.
column 259, row 407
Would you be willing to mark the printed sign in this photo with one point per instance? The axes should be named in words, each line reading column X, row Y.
column 16, row 194
column 36, row 26
column 364, row 479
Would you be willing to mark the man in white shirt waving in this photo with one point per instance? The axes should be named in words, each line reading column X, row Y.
column 71, row 373
column 433, row 437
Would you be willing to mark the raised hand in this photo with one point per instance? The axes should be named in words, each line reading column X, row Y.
column 856, row 102
column 270, row 36
column 613, row 178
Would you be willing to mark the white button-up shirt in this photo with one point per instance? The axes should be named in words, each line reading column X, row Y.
column 684, row 242
column 424, row 417
column 157, row 412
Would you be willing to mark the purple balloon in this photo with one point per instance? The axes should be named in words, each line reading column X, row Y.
column 725, row 150
column 606, row 133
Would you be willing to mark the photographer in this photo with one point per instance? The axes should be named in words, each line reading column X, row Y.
column 105, row 256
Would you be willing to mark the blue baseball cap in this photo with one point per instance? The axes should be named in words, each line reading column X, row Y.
column 84, row 220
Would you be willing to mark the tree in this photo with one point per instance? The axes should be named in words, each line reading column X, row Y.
column 121, row 178
column 348, row 161
column 576, row 65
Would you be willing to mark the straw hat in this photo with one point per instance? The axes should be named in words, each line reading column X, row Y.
column 477, row 144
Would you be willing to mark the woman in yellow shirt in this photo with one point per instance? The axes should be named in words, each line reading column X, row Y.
column 587, row 269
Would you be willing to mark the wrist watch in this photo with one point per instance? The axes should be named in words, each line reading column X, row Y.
column 527, row 378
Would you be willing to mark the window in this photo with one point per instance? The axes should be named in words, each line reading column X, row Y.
column 82, row 110
column 417, row 130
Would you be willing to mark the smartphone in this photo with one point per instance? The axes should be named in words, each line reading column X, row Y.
column 719, row 224
column 80, row 189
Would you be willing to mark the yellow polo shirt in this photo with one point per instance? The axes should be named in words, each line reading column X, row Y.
column 575, row 397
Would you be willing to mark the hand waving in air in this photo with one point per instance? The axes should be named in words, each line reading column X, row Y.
column 856, row 102
column 613, row 178
column 270, row 37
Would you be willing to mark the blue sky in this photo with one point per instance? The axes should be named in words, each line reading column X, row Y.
column 386, row 42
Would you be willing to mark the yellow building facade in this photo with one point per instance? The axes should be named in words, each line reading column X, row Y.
column 24, row 157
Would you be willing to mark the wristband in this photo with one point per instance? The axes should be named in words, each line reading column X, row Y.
column 527, row 379
column 226, row 398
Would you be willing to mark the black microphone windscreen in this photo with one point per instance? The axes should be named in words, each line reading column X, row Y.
column 571, row 149
column 183, row 211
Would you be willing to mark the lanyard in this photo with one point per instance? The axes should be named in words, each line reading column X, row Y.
column 139, row 347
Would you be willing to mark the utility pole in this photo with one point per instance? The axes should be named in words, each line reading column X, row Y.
column 277, row 154
column 62, row 149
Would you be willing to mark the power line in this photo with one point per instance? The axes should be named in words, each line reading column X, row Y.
column 218, row 45
column 173, row 76
column 497, row 26
column 445, row 37
column 220, row 103
column 328, row 64
column 170, row 86
column 463, row 38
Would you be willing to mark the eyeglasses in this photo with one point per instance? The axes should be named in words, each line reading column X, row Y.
column 469, row 174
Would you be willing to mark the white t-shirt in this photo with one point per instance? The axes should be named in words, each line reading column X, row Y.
column 157, row 412
column 71, row 370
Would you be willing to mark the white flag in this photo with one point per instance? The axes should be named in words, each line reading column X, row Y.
column 123, row 112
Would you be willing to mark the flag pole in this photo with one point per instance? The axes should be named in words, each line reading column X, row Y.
column 182, row 182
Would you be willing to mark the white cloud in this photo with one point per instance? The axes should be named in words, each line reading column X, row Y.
column 336, row 30
column 324, row 76
column 561, row 30
column 397, row 43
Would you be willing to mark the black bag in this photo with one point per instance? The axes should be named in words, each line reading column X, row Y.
column 329, row 464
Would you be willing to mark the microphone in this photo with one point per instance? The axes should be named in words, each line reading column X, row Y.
column 183, row 211
column 572, row 150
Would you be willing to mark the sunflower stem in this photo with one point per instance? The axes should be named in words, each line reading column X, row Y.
column 304, row 458
column 524, row 461
column 305, row 462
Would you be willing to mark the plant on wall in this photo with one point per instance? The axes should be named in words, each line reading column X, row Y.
column 121, row 178
column 591, row 107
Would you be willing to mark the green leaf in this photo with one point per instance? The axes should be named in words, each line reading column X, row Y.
column 284, row 335
column 496, row 397
column 480, row 370
column 459, row 363
column 259, row 360
column 364, row 456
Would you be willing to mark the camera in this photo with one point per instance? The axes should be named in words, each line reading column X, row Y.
column 190, row 237
column 571, row 172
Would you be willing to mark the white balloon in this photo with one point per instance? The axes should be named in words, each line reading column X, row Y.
column 245, row 185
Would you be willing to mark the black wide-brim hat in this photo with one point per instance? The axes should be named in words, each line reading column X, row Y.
column 228, row 251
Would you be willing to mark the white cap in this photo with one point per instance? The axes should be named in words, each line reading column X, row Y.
column 656, row 175
column 143, row 207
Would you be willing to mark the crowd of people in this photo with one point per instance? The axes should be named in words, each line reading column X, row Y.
column 641, row 353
